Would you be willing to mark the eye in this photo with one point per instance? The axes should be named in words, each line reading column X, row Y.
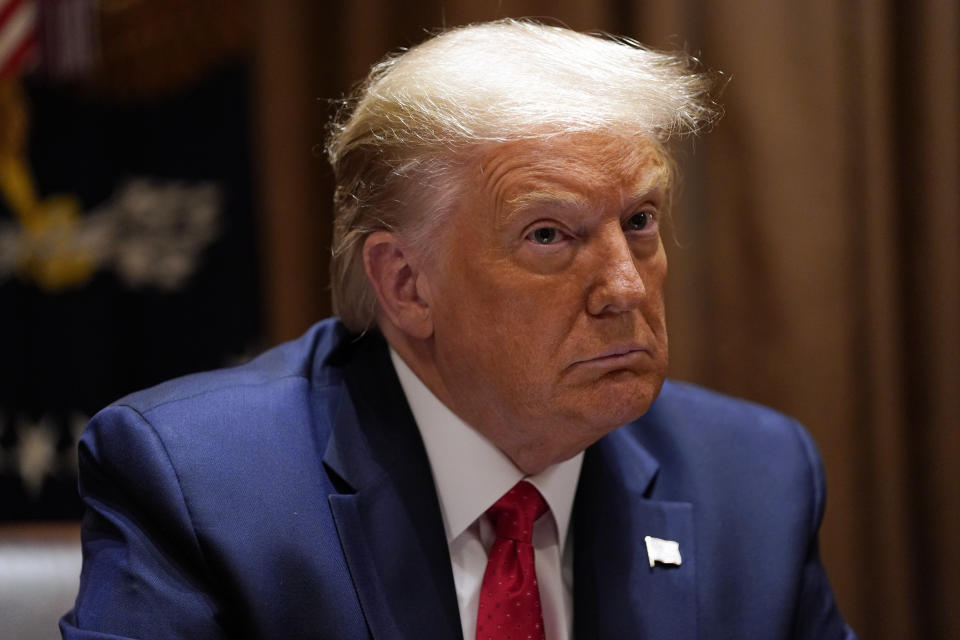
column 640, row 221
column 544, row 235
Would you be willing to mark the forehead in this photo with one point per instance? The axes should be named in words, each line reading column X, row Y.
column 583, row 169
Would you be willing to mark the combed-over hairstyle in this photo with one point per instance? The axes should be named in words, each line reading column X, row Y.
column 398, row 141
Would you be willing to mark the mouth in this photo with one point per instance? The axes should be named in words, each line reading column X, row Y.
column 621, row 356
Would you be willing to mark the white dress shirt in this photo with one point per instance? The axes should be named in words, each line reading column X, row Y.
column 470, row 474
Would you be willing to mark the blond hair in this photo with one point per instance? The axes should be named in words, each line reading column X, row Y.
column 397, row 143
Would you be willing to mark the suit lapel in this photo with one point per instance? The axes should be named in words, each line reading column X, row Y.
column 387, row 514
column 616, row 592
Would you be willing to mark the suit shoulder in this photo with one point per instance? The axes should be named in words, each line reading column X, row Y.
column 303, row 358
column 708, row 443
column 705, row 415
column 707, row 405
column 210, row 425
column 712, row 429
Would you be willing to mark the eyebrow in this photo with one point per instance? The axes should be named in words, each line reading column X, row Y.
column 646, row 192
column 557, row 198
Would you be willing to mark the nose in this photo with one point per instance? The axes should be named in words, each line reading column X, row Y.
column 618, row 285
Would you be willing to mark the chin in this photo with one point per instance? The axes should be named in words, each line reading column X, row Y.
column 617, row 416
column 585, row 416
column 619, row 402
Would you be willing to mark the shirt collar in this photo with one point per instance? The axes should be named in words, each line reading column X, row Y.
column 469, row 472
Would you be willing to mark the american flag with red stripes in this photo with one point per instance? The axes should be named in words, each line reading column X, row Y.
column 18, row 36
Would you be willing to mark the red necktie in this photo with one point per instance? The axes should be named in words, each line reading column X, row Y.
column 509, row 595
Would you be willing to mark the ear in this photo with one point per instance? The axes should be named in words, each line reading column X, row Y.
column 398, row 283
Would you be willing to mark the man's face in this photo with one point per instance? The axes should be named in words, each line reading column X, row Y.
column 547, row 293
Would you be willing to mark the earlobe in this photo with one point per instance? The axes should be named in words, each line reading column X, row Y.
column 398, row 284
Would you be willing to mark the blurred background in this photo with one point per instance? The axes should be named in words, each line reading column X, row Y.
column 165, row 208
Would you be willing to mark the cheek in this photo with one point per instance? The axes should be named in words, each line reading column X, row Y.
column 655, row 277
column 514, row 300
column 516, row 325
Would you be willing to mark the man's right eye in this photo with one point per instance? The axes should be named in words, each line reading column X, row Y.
column 545, row 235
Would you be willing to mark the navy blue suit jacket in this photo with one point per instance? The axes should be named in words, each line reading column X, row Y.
column 291, row 497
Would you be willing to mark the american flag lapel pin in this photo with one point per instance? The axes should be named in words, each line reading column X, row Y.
column 662, row 551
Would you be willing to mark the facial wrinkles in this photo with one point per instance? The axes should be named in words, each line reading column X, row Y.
column 516, row 178
column 589, row 180
column 606, row 180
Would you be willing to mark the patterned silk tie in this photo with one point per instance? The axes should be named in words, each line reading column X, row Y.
column 509, row 596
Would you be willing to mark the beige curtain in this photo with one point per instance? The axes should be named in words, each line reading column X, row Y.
column 816, row 266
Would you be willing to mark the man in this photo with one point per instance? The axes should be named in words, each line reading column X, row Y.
column 483, row 446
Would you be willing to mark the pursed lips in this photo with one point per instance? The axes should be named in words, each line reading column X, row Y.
column 621, row 355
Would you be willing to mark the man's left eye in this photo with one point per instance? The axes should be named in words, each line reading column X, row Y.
column 638, row 221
